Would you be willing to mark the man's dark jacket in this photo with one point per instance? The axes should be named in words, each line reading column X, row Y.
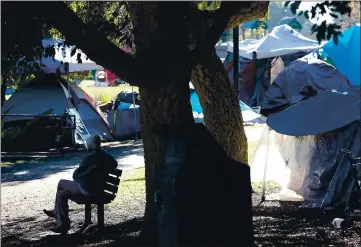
column 93, row 171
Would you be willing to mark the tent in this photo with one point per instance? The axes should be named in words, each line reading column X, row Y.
column 313, row 117
column 261, row 60
column 291, row 21
column 124, row 120
column 124, row 117
column 50, row 92
column 283, row 40
column 346, row 54
column 63, row 54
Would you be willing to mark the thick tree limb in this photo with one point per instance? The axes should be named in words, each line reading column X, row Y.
column 230, row 14
column 255, row 10
column 110, row 57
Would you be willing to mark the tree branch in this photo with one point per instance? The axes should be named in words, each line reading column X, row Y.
column 111, row 57
column 230, row 14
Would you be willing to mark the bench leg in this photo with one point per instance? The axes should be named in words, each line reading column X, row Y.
column 88, row 213
column 88, row 217
column 101, row 216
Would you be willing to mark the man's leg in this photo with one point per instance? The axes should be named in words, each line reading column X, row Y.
column 66, row 190
column 62, row 184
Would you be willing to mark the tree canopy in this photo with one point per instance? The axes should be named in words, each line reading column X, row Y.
column 110, row 27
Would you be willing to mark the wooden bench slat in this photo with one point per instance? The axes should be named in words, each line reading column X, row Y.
column 113, row 180
column 108, row 197
column 111, row 188
column 116, row 172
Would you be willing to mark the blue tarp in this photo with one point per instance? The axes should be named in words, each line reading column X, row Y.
column 346, row 54
column 196, row 105
column 9, row 91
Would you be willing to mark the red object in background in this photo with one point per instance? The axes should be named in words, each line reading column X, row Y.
column 103, row 75
column 111, row 78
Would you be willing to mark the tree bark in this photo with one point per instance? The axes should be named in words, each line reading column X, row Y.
column 170, row 105
column 3, row 91
column 221, row 110
column 156, row 34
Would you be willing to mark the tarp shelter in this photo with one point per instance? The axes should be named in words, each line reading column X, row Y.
column 249, row 116
column 316, row 114
column 261, row 60
column 291, row 21
column 9, row 91
column 283, row 40
column 346, row 53
column 63, row 54
column 51, row 93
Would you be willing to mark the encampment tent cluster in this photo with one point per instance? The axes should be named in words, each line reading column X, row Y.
column 262, row 59
column 311, row 144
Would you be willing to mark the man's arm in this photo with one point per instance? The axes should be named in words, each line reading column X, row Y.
column 85, row 167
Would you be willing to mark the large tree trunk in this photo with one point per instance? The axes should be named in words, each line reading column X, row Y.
column 156, row 33
column 222, row 114
column 170, row 105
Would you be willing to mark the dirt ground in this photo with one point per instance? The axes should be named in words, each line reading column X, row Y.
column 28, row 188
column 275, row 224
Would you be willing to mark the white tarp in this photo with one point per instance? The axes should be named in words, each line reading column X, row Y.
column 283, row 40
column 62, row 55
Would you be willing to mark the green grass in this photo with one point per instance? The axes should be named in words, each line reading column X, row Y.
column 8, row 163
column 271, row 187
column 105, row 94
column 132, row 187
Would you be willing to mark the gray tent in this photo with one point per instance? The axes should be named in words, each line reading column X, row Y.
column 50, row 92
column 123, row 117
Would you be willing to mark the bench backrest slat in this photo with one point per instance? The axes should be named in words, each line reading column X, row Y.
column 113, row 180
column 116, row 172
column 108, row 197
column 111, row 185
column 111, row 188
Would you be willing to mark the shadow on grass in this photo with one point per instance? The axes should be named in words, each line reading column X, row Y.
column 124, row 234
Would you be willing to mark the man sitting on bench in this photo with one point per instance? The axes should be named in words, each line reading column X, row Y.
column 89, row 180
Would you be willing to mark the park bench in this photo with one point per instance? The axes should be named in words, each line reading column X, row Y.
column 110, row 191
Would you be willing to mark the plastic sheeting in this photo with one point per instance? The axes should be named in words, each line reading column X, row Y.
column 316, row 106
column 310, row 117
column 305, row 165
column 346, row 54
column 283, row 40
column 301, row 80
column 249, row 116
